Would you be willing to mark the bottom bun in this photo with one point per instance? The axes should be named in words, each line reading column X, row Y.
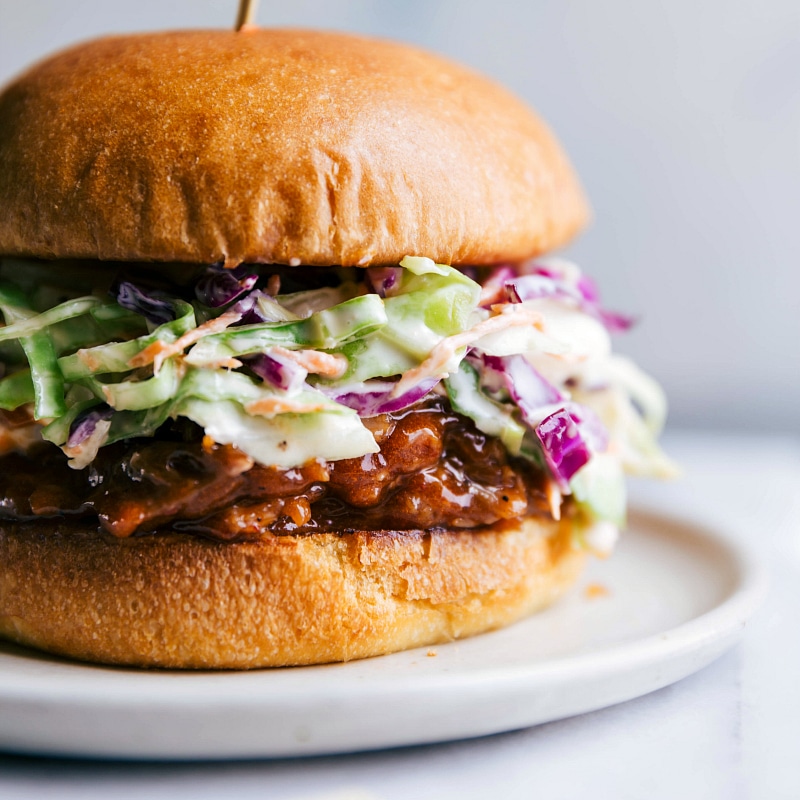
column 173, row 600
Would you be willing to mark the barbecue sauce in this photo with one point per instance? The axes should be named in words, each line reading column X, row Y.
column 434, row 470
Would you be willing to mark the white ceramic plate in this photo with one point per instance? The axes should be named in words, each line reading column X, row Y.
column 673, row 598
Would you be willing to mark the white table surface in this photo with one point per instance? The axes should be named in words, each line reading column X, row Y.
column 730, row 732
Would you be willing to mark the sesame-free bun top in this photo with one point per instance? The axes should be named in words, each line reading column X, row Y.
column 284, row 146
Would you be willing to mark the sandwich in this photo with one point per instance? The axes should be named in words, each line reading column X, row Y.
column 287, row 373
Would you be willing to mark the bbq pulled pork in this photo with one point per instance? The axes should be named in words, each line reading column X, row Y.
column 434, row 470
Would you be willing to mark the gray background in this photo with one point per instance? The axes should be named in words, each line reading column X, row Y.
column 683, row 119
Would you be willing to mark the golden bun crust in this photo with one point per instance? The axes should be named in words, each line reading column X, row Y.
column 281, row 146
column 177, row 601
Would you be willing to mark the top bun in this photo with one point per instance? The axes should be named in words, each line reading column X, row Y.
column 275, row 146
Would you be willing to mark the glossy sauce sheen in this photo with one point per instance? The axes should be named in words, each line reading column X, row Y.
column 434, row 470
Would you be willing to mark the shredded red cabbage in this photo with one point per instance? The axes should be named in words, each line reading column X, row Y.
column 564, row 449
column 383, row 279
column 248, row 308
column 588, row 289
column 493, row 289
column 534, row 287
column 282, row 373
column 616, row 323
column 375, row 397
column 567, row 433
column 85, row 424
column 220, row 286
column 543, row 282
column 527, row 388
column 153, row 306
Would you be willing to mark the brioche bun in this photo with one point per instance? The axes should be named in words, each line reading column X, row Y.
column 172, row 600
column 275, row 146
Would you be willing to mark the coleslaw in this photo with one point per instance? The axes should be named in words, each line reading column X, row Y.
column 522, row 350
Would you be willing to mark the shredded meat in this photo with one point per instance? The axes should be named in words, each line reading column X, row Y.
column 434, row 470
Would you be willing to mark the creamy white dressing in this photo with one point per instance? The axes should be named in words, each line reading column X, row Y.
column 286, row 440
column 586, row 342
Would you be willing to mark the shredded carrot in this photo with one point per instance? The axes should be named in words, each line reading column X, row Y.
column 158, row 352
column 272, row 406
column 224, row 363
column 329, row 364
column 511, row 316
column 149, row 354
column 89, row 359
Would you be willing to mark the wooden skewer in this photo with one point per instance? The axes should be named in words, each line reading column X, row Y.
column 247, row 13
